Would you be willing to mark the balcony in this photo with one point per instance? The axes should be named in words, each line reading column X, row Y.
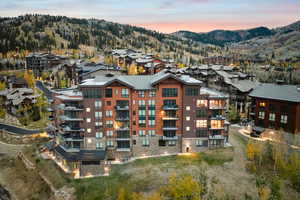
column 67, row 118
column 170, row 107
column 72, row 129
column 217, row 107
column 175, row 117
column 218, row 117
column 125, row 128
column 122, row 107
column 170, row 128
column 166, row 138
column 70, row 107
column 216, row 137
column 123, row 137
column 216, row 127
column 122, row 119
column 123, row 149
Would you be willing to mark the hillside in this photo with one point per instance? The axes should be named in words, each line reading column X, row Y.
column 283, row 45
column 221, row 37
column 44, row 32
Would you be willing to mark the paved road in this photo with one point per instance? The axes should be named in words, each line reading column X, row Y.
column 17, row 130
column 46, row 91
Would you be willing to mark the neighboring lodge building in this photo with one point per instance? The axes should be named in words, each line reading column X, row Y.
column 119, row 117
column 277, row 107
column 39, row 62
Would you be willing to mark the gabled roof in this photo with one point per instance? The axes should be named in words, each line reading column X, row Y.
column 139, row 82
column 278, row 92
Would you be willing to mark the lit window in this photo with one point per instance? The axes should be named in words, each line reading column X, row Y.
column 152, row 93
column 89, row 130
column 99, row 145
column 98, row 123
column 201, row 103
column 188, row 108
column 151, row 122
column 272, row 116
column 216, row 124
column 172, row 143
column 201, row 123
column 261, row 115
column 262, row 104
column 187, row 118
column 187, row 128
column 88, row 120
column 88, row 110
column 283, row 119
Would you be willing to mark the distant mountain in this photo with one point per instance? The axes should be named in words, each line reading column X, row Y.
column 282, row 45
column 221, row 37
column 44, row 32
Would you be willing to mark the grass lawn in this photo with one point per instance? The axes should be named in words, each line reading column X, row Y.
column 146, row 175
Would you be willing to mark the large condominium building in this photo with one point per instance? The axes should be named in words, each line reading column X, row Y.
column 119, row 117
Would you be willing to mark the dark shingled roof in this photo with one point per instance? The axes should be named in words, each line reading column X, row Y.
column 278, row 92
column 82, row 155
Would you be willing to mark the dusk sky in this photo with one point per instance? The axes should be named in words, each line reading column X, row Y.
column 167, row 15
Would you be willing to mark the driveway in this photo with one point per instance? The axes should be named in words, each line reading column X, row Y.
column 43, row 88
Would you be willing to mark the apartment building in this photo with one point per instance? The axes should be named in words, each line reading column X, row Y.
column 276, row 106
column 114, row 118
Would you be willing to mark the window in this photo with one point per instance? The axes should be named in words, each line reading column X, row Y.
column 151, row 102
column 141, row 93
column 108, row 103
column 99, row 135
column 201, row 143
column 201, row 113
column 91, row 93
column 98, row 104
column 117, row 92
column 283, row 119
column 110, row 143
column 125, row 92
column 151, row 113
column 89, row 130
column 142, row 123
column 145, row 142
column 216, row 124
column 262, row 104
column 261, row 115
column 187, row 128
column 141, row 102
column 172, row 143
column 109, row 113
column 187, row 118
column 151, row 122
column 201, row 133
column 88, row 110
column 97, row 124
column 201, row 123
column 98, row 115
column 142, row 132
column 99, row 145
column 169, row 92
column 109, row 124
column 108, row 92
column 152, row 93
column 88, row 120
column 191, row 91
column 109, row 133
column 187, row 108
column 151, row 132
column 201, row 103
column 142, row 112
column 272, row 116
